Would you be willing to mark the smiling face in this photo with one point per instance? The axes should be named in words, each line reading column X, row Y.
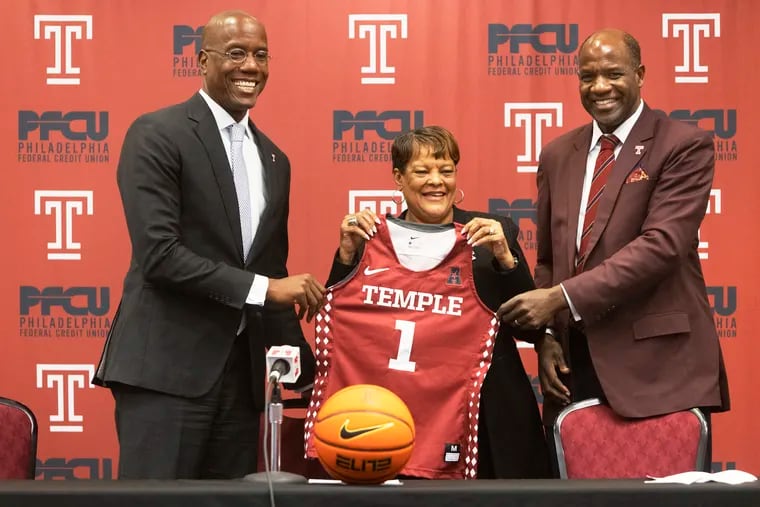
column 429, row 186
column 610, row 79
column 234, row 86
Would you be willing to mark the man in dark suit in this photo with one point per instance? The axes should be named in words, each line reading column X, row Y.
column 207, row 289
column 624, row 291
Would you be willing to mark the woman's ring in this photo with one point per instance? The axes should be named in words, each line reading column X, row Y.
column 516, row 323
column 491, row 231
column 352, row 221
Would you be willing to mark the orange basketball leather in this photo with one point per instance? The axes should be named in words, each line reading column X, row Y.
column 364, row 434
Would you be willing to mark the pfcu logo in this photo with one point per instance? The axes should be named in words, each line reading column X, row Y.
column 63, row 205
column 71, row 312
column 74, row 469
column 714, row 207
column 367, row 136
column 187, row 45
column 63, row 29
column 523, row 213
column 532, row 117
column 691, row 28
column 378, row 29
column 381, row 202
column 58, row 137
column 723, row 304
column 546, row 49
column 721, row 123
column 66, row 380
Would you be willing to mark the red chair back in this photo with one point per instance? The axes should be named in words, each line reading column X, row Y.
column 593, row 442
column 18, row 440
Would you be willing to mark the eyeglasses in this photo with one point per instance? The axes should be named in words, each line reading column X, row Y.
column 239, row 55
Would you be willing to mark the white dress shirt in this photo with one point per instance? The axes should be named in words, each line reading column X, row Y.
column 621, row 132
column 254, row 167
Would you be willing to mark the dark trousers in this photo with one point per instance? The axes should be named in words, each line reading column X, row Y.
column 213, row 436
column 585, row 384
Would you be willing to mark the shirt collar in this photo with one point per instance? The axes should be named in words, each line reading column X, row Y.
column 222, row 117
column 621, row 132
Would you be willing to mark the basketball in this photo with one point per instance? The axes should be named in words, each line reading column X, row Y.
column 364, row 434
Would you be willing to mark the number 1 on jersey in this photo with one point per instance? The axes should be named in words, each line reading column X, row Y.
column 401, row 362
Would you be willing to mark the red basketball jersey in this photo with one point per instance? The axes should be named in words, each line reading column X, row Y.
column 425, row 335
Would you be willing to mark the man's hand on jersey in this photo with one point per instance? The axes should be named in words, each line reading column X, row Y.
column 489, row 233
column 532, row 309
column 302, row 290
column 355, row 229
column 551, row 360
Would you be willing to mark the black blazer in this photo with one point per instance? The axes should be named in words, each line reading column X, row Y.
column 511, row 438
column 184, row 294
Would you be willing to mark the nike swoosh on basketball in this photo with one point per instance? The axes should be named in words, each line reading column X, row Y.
column 347, row 434
column 369, row 272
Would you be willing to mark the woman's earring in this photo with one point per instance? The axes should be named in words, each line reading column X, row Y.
column 397, row 193
column 457, row 201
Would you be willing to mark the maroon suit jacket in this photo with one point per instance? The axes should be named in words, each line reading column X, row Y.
column 642, row 295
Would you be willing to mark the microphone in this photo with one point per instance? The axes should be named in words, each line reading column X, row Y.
column 283, row 364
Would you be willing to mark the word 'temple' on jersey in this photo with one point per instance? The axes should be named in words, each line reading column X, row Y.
column 412, row 300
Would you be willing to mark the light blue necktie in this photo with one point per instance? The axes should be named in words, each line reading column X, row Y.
column 240, row 175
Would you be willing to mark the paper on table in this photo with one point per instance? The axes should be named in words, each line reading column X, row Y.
column 725, row 477
column 390, row 482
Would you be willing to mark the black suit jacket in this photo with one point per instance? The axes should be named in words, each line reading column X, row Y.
column 184, row 294
column 510, row 432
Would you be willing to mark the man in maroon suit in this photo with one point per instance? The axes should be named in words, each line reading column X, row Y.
column 621, row 289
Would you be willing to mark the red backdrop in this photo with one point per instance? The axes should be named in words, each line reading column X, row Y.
column 345, row 78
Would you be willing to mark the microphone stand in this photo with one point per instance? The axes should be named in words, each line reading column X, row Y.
column 274, row 474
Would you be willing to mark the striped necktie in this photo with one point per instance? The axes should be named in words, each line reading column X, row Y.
column 605, row 161
column 240, row 175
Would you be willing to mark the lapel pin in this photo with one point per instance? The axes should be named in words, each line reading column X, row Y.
column 639, row 149
column 273, row 158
